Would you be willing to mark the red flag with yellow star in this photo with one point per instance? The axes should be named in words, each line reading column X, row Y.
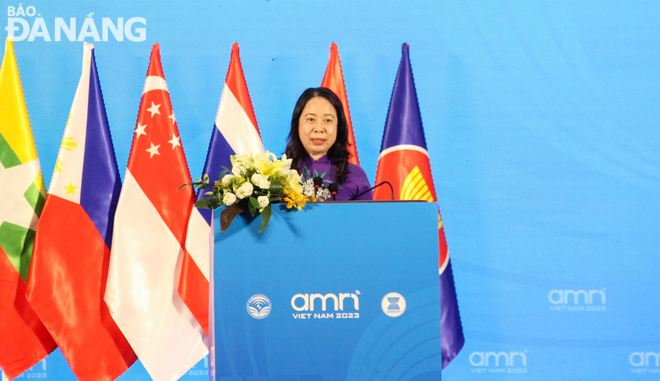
column 334, row 80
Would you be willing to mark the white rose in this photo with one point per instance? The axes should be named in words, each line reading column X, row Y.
column 226, row 179
column 261, row 181
column 229, row 198
column 244, row 190
column 263, row 201
column 238, row 170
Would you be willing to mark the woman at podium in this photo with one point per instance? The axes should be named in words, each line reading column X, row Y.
column 317, row 145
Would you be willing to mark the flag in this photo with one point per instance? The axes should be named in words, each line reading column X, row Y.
column 404, row 162
column 25, row 340
column 149, row 237
column 235, row 132
column 334, row 80
column 72, row 245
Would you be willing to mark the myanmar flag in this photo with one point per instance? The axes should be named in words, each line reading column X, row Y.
column 25, row 340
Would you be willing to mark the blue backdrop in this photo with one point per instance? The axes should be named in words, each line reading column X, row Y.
column 541, row 121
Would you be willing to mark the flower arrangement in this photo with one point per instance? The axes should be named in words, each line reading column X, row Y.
column 254, row 182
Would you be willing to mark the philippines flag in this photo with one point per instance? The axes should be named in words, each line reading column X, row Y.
column 404, row 162
column 334, row 80
column 25, row 340
column 149, row 237
column 72, row 245
column 235, row 132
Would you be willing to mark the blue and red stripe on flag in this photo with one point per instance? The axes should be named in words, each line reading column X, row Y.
column 235, row 131
column 74, row 235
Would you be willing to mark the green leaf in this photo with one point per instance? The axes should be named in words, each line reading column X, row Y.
column 254, row 202
column 254, row 205
column 208, row 203
column 265, row 217
column 184, row 185
column 275, row 188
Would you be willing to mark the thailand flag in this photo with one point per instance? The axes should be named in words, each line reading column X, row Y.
column 334, row 80
column 149, row 237
column 72, row 245
column 235, row 132
column 404, row 162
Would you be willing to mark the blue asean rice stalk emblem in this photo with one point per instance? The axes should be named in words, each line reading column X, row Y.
column 259, row 306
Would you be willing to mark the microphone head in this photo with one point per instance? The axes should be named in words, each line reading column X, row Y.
column 333, row 188
column 318, row 182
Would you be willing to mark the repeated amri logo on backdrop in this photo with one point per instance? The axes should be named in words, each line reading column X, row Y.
column 200, row 370
column 24, row 22
column 577, row 300
column 513, row 362
column 645, row 362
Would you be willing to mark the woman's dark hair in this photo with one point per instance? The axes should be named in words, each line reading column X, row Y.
column 338, row 153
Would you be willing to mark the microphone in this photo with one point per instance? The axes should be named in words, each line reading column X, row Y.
column 376, row 186
column 318, row 182
column 333, row 188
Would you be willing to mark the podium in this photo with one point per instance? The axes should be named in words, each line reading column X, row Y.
column 337, row 291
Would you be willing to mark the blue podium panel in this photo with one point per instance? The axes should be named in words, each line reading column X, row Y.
column 337, row 291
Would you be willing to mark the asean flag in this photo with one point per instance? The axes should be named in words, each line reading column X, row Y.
column 72, row 245
column 235, row 132
column 148, row 244
column 404, row 162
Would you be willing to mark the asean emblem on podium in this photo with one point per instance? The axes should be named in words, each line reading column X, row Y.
column 393, row 304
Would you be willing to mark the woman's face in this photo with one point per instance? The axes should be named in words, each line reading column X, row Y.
column 317, row 127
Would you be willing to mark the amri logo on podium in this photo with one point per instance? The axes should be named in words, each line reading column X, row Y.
column 26, row 23
column 339, row 302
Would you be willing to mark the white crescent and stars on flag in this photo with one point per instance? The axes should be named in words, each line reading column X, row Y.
column 157, row 161
column 141, row 129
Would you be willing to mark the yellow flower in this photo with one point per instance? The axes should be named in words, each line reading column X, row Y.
column 295, row 200
column 291, row 182
column 268, row 165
